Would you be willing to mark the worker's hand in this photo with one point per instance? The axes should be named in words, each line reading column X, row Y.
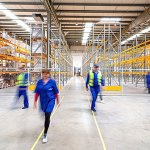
column 58, row 102
column 87, row 89
column 35, row 105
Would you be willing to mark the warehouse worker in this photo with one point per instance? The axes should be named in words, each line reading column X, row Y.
column 22, row 83
column 94, row 81
column 47, row 90
column 148, row 82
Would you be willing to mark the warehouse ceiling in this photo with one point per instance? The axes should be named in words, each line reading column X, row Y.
column 73, row 14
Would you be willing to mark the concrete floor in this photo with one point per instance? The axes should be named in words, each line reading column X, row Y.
column 124, row 122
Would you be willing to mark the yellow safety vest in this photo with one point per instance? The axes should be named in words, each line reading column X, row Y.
column 91, row 78
column 21, row 80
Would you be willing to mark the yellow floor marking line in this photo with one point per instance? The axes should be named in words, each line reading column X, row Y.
column 98, row 129
column 38, row 138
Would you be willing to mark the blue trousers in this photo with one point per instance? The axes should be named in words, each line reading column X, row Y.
column 22, row 91
column 94, row 92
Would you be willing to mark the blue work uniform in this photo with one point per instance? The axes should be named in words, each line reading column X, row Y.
column 22, row 89
column 47, row 93
column 148, row 82
column 95, row 89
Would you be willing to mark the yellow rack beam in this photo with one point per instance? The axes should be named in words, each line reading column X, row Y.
column 19, row 49
column 13, row 58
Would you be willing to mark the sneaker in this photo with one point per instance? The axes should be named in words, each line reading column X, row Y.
column 45, row 139
column 24, row 107
column 93, row 109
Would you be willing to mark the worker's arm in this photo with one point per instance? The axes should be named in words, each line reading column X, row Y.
column 57, row 99
column 87, row 81
column 36, row 91
column 35, row 99
column 56, row 93
column 26, row 78
column 103, row 81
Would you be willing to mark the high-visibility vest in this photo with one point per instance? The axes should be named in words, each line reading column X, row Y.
column 21, row 80
column 91, row 78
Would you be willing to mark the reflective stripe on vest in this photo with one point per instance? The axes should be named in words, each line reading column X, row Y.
column 21, row 80
column 91, row 78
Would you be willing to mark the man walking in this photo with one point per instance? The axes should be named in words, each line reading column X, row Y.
column 94, row 81
column 22, row 82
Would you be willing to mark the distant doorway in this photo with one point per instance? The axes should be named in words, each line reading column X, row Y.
column 77, row 71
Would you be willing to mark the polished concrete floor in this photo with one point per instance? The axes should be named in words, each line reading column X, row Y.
column 124, row 122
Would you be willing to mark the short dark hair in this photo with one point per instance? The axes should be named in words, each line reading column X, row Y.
column 96, row 66
column 45, row 71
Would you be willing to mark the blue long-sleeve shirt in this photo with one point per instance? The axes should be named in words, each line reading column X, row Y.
column 47, row 93
column 95, row 84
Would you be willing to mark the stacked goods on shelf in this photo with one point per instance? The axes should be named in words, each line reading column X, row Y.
column 9, row 51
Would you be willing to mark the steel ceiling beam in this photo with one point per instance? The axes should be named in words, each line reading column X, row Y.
column 8, row 24
column 82, row 25
column 96, row 27
column 83, row 21
column 8, row 20
column 102, row 4
column 23, row 16
column 17, row 31
column 124, row 17
column 23, row 33
column 21, row 3
column 73, row 30
column 78, row 4
column 13, row 26
column 28, row 10
column 99, row 11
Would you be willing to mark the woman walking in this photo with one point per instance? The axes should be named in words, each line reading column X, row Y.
column 47, row 90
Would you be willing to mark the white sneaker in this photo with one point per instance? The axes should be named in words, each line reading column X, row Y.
column 45, row 139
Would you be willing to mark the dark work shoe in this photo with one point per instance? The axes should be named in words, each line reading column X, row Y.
column 93, row 109
column 24, row 107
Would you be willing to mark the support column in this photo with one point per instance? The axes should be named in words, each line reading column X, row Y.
column 42, row 39
column 104, row 64
column 48, row 40
column 30, row 46
column 120, row 68
column 15, row 63
column 109, row 51
column 145, row 61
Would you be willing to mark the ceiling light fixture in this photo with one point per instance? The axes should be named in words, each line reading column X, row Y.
column 87, row 30
column 110, row 20
column 9, row 14
column 136, row 35
column 29, row 18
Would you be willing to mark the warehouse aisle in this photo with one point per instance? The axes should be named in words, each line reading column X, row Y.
column 123, row 122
